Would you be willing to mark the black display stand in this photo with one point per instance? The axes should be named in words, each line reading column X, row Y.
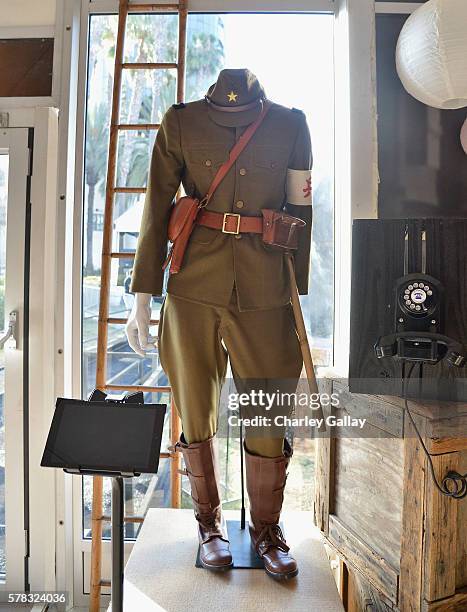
column 117, row 533
column 118, row 540
column 96, row 438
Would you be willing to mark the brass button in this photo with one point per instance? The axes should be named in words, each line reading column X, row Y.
column 242, row 171
column 208, row 162
column 238, row 236
column 240, row 204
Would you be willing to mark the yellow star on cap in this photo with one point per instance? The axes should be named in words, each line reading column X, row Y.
column 232, row 96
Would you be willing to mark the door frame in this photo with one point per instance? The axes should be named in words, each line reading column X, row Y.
column 46, row 519
column 15, row 141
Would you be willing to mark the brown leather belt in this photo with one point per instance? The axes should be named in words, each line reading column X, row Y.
column 230, row 223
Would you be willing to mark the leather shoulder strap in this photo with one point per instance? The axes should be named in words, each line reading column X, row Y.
column 235, row 152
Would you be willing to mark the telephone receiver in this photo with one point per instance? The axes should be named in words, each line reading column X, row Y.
column 423, row 347
column 418, row 319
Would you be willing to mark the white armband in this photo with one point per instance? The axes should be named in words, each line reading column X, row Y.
column 299, row 187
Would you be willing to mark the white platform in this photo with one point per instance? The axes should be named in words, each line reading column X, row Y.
column 160, row 573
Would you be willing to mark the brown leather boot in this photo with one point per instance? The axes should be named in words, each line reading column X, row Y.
column 202, row 471
column 265, row 481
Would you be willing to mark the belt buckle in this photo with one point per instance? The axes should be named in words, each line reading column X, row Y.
column 224, row 223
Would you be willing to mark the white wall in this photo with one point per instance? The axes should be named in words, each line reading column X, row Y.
column 17, row 13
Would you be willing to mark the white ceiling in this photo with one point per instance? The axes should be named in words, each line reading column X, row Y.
column 27, row 13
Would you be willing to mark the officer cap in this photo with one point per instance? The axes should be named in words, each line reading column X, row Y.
column 235, row 99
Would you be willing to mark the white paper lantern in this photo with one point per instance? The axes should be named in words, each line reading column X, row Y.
column 464, row 136
column 431, row 54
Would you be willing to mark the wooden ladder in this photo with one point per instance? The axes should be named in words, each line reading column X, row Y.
column 98, row 518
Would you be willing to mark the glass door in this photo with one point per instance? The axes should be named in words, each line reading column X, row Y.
column 14, row 163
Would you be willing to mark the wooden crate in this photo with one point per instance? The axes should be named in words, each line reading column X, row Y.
column 404, row 545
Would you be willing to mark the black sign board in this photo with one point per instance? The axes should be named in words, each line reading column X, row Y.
column 105, row 437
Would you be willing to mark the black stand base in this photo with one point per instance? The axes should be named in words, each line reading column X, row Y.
column 244, row 557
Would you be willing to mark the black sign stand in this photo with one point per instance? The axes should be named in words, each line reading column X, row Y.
column 79, row 443
column 117, row 531
column 118, row 538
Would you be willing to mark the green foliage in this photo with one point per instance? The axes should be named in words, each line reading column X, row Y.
column 97, row 144
column 145, row 94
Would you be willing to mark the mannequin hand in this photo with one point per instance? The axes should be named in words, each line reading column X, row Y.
column 137, row 327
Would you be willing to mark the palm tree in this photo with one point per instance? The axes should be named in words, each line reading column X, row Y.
column 97, row 136
column 205, row 57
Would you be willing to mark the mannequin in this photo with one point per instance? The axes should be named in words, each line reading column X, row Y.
column 231, row 300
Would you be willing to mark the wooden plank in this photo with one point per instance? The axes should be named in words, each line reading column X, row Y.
column 122, row 255
column 456, row 603
column 324, row 469
column 129, row 189
column 461, row 571
column 181, row 58
column 431, row 409
column 362, row 596
column 343, row 583
column 434, row 410
column 126, row 519
column 376, row 409
column 118, row 321
column 440, row 533
column 96, row 543
column 147, row 8
column 323, row 482
column 356, row 552
column 148, row 65
column 368, row 490
column 138, row 126
column 145, row 389
column 411, row 553
column 448, row 433
column 446, row 445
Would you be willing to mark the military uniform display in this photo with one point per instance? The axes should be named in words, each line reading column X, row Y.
column 231, row 298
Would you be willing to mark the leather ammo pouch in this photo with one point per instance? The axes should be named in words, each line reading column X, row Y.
column 185, row 210
column 181, row 222
column 281, row 229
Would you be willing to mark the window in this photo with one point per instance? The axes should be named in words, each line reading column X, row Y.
column 301, row 77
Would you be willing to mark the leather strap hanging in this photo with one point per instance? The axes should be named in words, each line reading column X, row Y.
column 185, row 210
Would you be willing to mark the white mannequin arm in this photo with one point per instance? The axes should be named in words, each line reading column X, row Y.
column 137, row 327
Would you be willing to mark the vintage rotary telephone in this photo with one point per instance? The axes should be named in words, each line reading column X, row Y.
column 418, row 319
column 418, row 339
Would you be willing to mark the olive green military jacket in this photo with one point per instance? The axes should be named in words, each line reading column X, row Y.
column 189, row 149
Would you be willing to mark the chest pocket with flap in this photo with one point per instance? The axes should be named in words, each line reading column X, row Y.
column 270, row 157
column 206, row 155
